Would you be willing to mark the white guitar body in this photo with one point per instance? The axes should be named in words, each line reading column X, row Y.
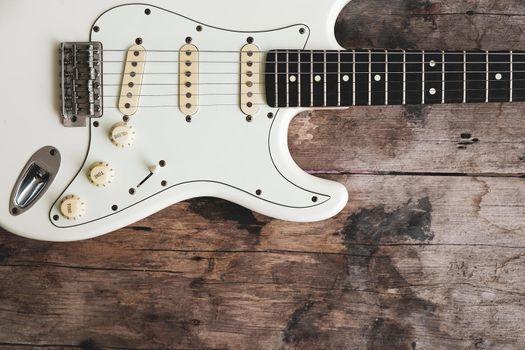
column 218, row 154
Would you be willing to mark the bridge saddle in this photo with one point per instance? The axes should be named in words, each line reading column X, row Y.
column 80, row 82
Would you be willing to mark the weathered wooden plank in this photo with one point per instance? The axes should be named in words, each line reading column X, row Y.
column 206, row 274
column 474, row 139
column 458, row 305
column 426, row 24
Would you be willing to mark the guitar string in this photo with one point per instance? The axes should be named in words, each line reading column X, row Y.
column 437, row 96
column 345, row 52
column 494, row 72
column 321, row 83
column 321, row 62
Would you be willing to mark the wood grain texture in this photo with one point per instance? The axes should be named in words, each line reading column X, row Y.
column 429, row 253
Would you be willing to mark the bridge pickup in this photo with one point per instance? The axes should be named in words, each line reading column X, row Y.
column 132, row 80
column 81, row 82
column 251, row 82
column 189, row 79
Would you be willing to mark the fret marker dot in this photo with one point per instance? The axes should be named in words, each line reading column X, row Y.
column 346, row 78
column 432, row 91
column 432, row 63
column 377, row 77
column 318, row 78
column 293, row 78
column 499, row 76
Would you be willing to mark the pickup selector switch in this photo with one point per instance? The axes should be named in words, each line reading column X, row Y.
column 72, row 207
column 101, row 174
column 122, row 135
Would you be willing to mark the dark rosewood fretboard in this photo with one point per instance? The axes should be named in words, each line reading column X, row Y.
column 392, row 77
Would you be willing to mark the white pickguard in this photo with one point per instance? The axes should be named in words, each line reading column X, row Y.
column 218, row 154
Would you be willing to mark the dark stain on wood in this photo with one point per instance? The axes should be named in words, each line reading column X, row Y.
column 197, row 283
column 6, row 253
column 218, row 210
column 141, row 228
column 300, row 328
column 371, row 267
column 428, row 10
column 466, row 139
column 89, row 344
column 412, row 220
column 387, row 331
column 417, row 114
column 355, row 33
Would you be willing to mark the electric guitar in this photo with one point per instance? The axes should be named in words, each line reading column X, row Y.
column 113, row 111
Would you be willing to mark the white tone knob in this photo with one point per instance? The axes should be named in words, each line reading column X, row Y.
column 101, row 174
column 72, row 207
column 122, row 135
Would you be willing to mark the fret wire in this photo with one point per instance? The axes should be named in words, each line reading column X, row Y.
column 404, row 76
column 386, row 77
column 287, row 78
column 464, row 77
column 339, row 78
column 423, row 78
column 324, row 85
column 311, row 78
column 369, row 77
column 487, row 77
column 299, row 77
column 353, row 79
column 511, row 75
column 276, row 77
column 443, row 77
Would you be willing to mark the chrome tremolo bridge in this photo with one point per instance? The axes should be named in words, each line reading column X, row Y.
column 81, row 82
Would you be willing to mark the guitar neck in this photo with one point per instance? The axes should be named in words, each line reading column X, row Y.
column 392, row 77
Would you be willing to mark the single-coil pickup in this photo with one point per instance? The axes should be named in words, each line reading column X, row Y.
column 189, row 79
column 251, row 82
column 132, row 80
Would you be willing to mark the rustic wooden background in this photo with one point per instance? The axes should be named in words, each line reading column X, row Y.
column 429, row 254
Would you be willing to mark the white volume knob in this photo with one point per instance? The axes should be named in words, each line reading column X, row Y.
column 72, row 207
column 122, row 135
column 101, row 174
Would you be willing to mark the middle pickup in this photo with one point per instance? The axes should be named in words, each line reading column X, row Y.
column 132, row 80
column 189, row 79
